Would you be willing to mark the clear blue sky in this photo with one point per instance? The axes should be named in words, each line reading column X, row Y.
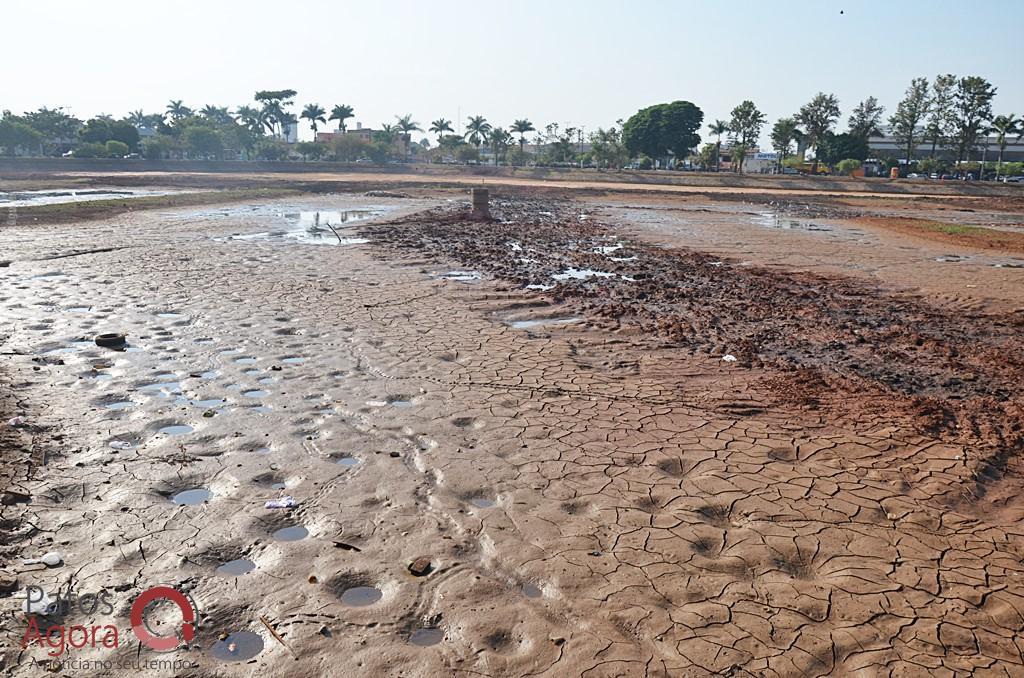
column 569, row 61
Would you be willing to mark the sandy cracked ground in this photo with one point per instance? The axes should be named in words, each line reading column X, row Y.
column 598, row 495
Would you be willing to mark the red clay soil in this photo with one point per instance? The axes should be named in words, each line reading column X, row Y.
column 827, row 343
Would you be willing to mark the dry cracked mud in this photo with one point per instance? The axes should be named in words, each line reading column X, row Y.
column 599, row 492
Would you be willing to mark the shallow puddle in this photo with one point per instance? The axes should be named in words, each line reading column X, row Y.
column 176, row 430
column 580, row 274
column 348, row 461
column 531, row 591
column 192, row 497
column 481, row 502
column 236, row 568
column 459, row 276
column 426, row 637
column 120, row 405
column 240, row 646
column 527, row 324
column 361, row 596
column 293, row 533
column 256, row 393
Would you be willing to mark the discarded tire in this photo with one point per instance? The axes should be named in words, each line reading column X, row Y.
column 110, row 339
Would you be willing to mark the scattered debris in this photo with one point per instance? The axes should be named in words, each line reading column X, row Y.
column 729, row 358
column 421, row 567
column 347, row 547
column 16, row 421
column 282, row 503
column 51, row 559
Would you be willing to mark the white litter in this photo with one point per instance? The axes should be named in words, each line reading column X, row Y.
column 283, row 502
column 729, row 358
column 51, row 559
column 120, row 445
column 38, row 604
column 376, row 403
column 16, row 421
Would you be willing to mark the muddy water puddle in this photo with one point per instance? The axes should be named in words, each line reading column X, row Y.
column 60, row 196
column 292, row 533
column 240, row 646
column 361, row 596
column 236, row 568
column 541, row 322
column 295, row 224
column 192, row 497
column 426, row 637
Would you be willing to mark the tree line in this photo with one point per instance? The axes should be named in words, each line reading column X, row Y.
column 949, row 114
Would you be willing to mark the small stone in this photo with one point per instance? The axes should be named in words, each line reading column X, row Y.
column 395, row 455
column 421, row 567
column 8, row 582
column 11, row 497
column 313, row 579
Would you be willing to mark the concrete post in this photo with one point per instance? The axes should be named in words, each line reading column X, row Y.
column 481, row 210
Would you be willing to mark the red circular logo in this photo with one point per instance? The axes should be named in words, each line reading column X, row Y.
column 189, row 614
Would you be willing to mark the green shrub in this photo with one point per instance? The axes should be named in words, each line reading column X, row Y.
column 91, row 150
column 848, row 166
column 117, row 149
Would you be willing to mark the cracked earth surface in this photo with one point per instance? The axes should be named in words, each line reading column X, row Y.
column 599, row 492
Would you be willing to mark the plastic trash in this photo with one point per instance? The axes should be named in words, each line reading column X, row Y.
column 281, row 503
column 51, row 559
column 39, row 603
column 120, row 445
column 729, row 358
column 16, row 421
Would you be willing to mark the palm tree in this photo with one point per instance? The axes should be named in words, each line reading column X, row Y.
column 477, row 129
column 1004, row 126
column 406, row 125
column 251, row 118
column 341, row 113
column 718, row 128
column 439, row 127
column 499, row 139
column 521, row 127
column 314, row 113
column 137, row 118
column 178, row 110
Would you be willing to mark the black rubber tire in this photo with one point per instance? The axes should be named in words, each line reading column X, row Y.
column 110, row 340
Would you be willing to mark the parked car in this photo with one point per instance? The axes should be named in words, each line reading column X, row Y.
column 1013, row 180
column 790, row 170
column 915, row 175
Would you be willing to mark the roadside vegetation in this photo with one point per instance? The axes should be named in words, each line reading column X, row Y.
column 952, row 117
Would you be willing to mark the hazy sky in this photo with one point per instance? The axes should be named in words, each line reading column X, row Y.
column 569, row 61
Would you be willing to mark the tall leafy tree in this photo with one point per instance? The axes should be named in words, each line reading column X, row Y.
column 477, row 129
column 661, row 129
column 745, row 126
column 275, row 105
column 905, row 123
column 314, row 113
column 341, row 113
column 718, row 128
column 817, row 117
column 866, row 119
column 439, row 127
column 521, row 127
column 607, row 149
column 784, row 133
column 940, row 111
column 1004, row 126
column 972, row 110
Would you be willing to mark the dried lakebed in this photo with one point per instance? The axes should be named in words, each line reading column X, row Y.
column 597, row 494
